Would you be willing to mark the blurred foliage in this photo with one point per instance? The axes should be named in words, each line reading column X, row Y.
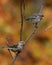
column 38, row 51
column 49, row 3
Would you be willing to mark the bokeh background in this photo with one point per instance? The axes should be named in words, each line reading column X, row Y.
column 38, row 50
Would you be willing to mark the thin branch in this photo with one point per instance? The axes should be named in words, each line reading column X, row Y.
column 41, row 4
column 24, row 3
column 8, row 49
column 30, row 36
column 48, row 27
column 21, row 20
column 14, row 59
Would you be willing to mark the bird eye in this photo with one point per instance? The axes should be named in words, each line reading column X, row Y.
column 42, row 15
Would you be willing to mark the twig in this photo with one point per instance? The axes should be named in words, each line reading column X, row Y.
column 48, row 27
column 14, row 59
column 30, row 35
column 41, row 4
column 21, row 20
column 8, row 49
column 24, row 3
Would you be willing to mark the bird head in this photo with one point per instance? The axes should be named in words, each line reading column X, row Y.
column 41, row 15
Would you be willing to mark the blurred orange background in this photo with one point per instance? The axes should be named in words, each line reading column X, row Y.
column 38, row 50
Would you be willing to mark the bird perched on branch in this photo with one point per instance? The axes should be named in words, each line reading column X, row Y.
column 17, row 47
column 36, row 18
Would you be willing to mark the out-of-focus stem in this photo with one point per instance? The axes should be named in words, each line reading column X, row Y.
column 30, row 36
column 8, row 49
column 14, row 59
column 21, row 20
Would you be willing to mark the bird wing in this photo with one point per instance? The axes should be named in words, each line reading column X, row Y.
column 13, row 45
column 31, row 17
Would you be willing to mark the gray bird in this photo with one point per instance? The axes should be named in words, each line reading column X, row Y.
column 16, row 47
column 35, row 18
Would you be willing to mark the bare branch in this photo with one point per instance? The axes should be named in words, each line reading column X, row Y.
column 8, row 49
column 21, row 20
column 24, row 3
column 48, row 27
column 34, row 31
column 41, row 4
column 14, row 59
